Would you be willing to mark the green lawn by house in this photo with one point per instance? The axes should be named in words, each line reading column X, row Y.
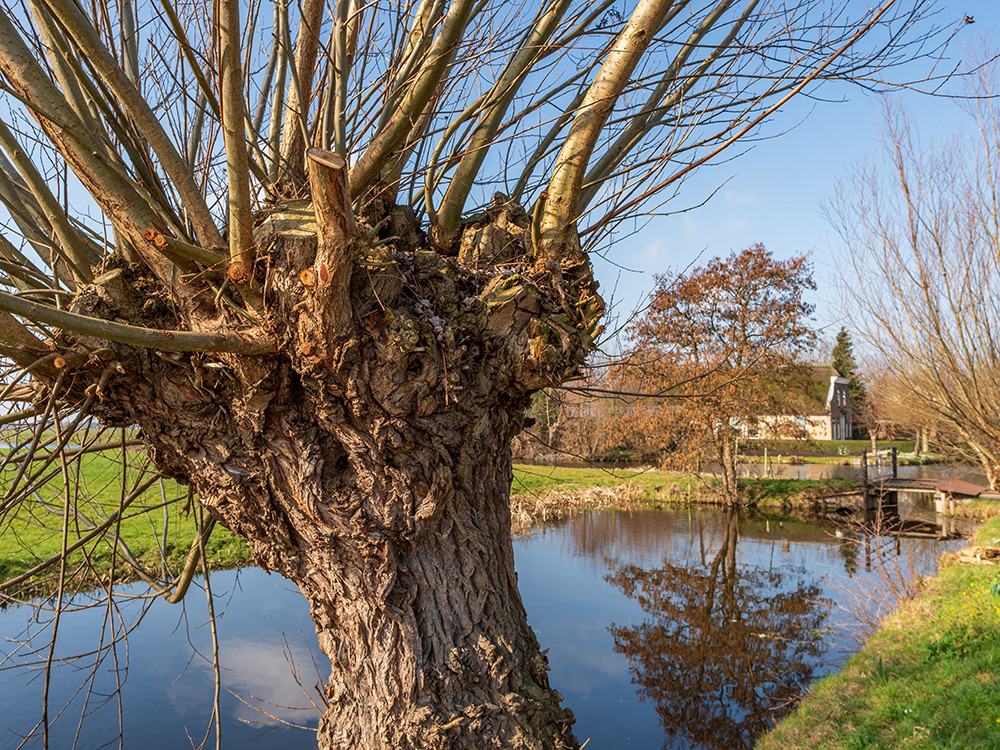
column 819, row 447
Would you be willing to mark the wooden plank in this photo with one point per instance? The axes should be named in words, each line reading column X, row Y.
column 958, row 487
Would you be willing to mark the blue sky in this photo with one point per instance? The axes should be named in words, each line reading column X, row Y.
column 774, row 193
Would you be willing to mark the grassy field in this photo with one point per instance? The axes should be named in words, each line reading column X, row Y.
column 819, row 447
column 529, row 479
column 31, row 532
column 660, row 488
column 927, row 679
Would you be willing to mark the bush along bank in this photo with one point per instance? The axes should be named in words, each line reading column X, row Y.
column 927, row 679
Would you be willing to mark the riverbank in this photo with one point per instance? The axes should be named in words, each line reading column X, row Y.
column 540, row 494
column 926, row 679
column 775, row 452
column 543, row 494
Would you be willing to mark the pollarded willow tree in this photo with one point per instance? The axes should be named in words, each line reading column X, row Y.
column 322, row 254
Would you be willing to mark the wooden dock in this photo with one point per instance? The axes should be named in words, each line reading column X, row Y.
column 882, row 485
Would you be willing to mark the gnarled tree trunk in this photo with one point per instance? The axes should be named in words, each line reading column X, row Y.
column 368, row 460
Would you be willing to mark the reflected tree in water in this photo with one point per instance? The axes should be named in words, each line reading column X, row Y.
column 848, row 543
column 723, row 648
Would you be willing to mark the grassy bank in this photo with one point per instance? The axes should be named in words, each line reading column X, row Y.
column 662, row 487
column 819, row 447
column 927, row 679
column 541, row 494
column 155, row 520
column 545, row 493
column 834, row 451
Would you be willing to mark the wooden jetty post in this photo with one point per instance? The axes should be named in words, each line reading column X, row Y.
column 864, row 479
column 884, row 466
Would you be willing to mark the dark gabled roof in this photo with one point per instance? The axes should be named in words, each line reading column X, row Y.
column 818, row 387
column 958, row 487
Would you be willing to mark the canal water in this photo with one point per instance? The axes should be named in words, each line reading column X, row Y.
column 671, row 629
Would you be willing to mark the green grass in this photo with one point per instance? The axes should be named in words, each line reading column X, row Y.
column 977, row 509
column 32, row 533
column 537, row 479
column 820, row 447
column 776, row 492
column 927, row 679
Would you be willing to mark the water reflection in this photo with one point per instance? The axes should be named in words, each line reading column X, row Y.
column 154, row 689
column 684, row 628
column 693, row 628
column 723, row 646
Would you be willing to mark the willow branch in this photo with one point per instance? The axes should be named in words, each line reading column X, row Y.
column 195, row 66
column 74, row 248
column 241, row 246
column 653, row 111
column 192, row 563
column 119, row 199
column 559, row 217
column 18, row 416
column 392, row 137
column 251, row 342
column 18, row 343
column 278, row 95
column 742, row 132
column 84, row 35
column 533, row 48
column 293, row 138
column 59, row 53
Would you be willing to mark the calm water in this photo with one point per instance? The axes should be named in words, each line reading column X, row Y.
column 686, row 629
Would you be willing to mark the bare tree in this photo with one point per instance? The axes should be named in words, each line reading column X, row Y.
column 322, row 273
column 922, row 233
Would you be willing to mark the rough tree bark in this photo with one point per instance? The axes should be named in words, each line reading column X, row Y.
column 345, row 395
column 369, row 459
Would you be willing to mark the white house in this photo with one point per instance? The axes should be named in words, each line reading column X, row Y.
column 826, row 413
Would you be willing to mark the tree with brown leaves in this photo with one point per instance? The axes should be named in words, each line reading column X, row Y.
column 718, row 349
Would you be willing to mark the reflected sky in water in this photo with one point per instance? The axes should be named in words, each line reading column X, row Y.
column 665, row 629
column 167, row 670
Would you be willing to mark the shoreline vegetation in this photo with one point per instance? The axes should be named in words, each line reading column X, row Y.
column 926, row 679
column 539, row 495
column 543, row 494
column 752, row 451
